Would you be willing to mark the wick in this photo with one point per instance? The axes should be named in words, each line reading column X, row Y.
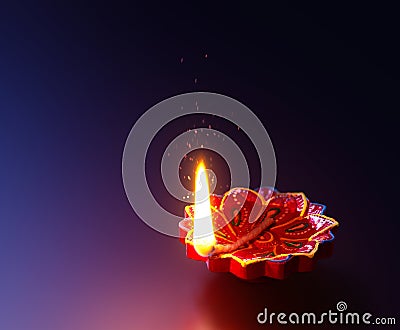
column 221, row 248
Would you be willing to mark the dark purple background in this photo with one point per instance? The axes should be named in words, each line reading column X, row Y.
column 74, row 79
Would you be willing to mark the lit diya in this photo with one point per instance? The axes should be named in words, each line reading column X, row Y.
column 288, row 234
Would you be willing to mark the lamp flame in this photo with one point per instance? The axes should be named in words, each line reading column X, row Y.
column 203, row 234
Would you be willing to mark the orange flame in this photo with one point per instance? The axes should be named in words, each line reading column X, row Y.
column 203, row 234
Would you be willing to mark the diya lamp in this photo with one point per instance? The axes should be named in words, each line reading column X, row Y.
column 252, row 234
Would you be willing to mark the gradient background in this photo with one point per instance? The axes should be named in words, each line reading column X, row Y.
column 74, row 79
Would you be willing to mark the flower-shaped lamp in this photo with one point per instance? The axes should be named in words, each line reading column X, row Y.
column 296, row 236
